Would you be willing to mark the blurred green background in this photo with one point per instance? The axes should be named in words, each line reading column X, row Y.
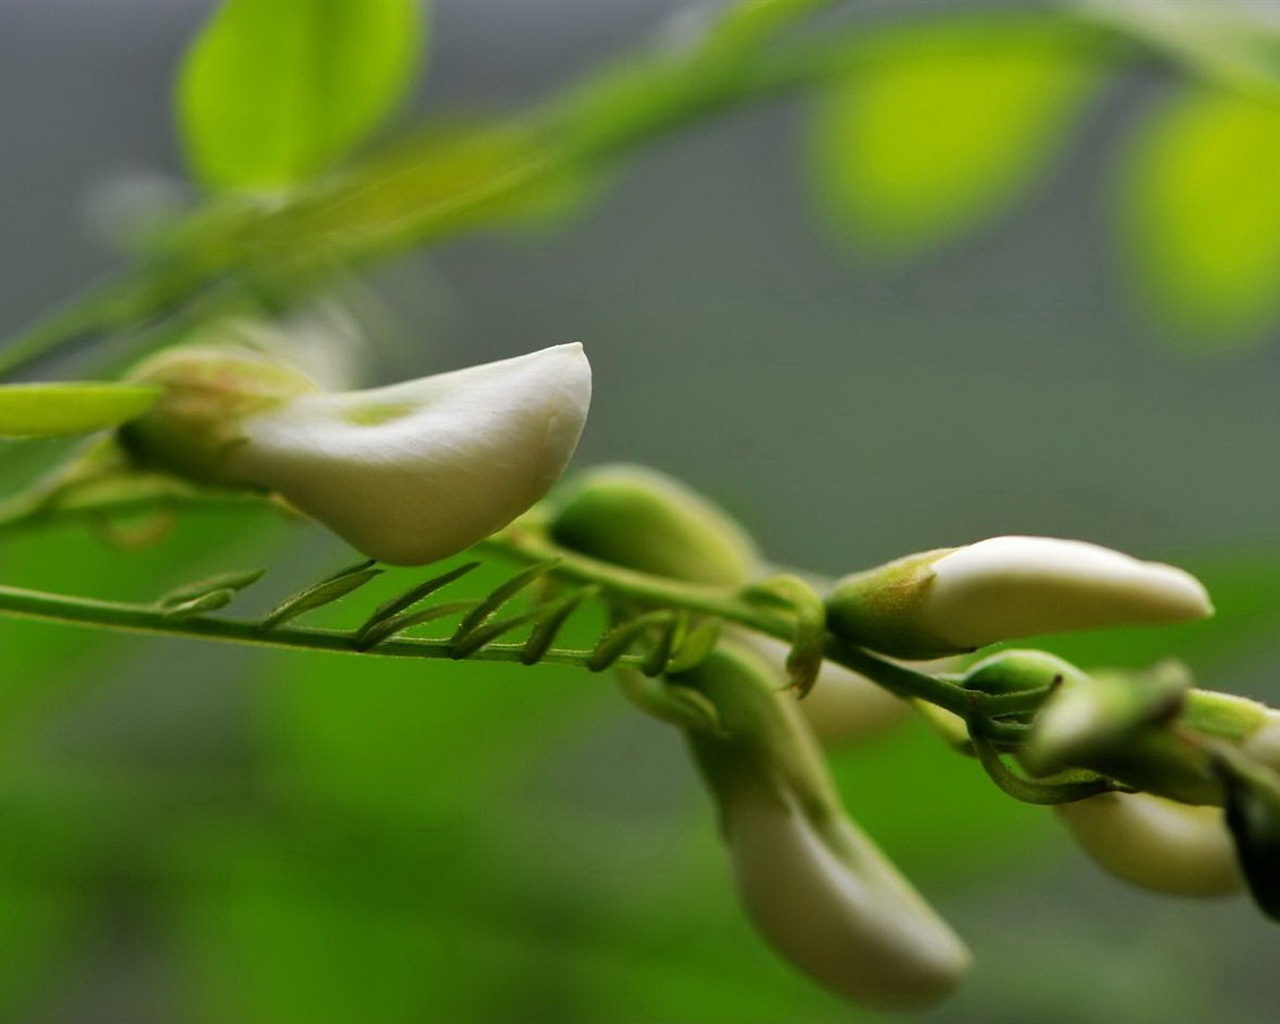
column 211, row 834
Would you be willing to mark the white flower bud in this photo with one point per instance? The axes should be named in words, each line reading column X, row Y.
column 408, row 474
column 959, row 599
column 816, row 888
column 851, row 921
column 1155, row 843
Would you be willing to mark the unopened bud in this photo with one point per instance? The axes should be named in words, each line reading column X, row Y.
column 1155, row 843
column 645, row 520
column 407, row 474
column 816, row 888
column 1019, row 671
column 954, row 600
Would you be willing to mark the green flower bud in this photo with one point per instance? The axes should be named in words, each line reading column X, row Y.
column 1018, row 671
column 1155, row 843
column 209, row 394
column 407, row 474
column 645, row 520
column 954, row 600
column 815, row 887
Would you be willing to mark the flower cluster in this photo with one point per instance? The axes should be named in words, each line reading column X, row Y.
column 415, row 472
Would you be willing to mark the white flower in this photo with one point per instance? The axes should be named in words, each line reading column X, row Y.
column 850, row 921
column 816, row 888
column 408, row 474
column 1155, row 843
column 958, row 599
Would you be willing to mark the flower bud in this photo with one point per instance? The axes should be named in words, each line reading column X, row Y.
column 407, row 474
column 954, row 600
column 645, row 520
column 1155, row 843
column 815, row 887
column 1017, row 671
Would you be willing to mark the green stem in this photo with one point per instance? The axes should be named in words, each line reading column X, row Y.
column 134, row 618
column 385, row 206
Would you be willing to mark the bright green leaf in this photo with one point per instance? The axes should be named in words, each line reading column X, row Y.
column 940, row 125
column 1202, row 203
column 52, row 410
column 273, row 91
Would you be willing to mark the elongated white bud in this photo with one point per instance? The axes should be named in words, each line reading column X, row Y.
column 958, row 599
column 1155, row 843
column 816, row 888
column 408, row 474
column 854, row 924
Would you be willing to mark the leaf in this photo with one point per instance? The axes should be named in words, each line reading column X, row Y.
column 941, row 125
column 1201, row 210
column 272, row 93
column 326, row 591
column 53, row 410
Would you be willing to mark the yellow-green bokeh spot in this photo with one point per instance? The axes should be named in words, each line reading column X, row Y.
column 53, row 410
column 1201, row 202
column 938, row 126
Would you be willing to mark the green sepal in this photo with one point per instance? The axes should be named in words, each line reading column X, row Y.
column 644, row 520
column 1252, row 802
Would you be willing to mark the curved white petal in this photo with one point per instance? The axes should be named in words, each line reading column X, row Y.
column 414, row 472
column 1010, row 587
column 1156, row 843
column 855, row 925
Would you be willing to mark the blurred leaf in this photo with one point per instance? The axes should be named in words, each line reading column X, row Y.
column 1201, row 197
column 42, row 905
column 273, row 92
column 934, row 811
column 398, row 738
column 39, row 657
column 52, row 410
column 1231, row 40
column 748, row 24
column 942, row 124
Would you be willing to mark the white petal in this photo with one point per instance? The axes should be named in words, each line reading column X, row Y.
column 414, row 472
column 1010, row 587
column 1156, row 843
column 860, row 930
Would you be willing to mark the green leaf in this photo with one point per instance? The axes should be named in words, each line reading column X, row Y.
column 941, row 125
column 1201, row 202
column 52, row 410
column 273, row 92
